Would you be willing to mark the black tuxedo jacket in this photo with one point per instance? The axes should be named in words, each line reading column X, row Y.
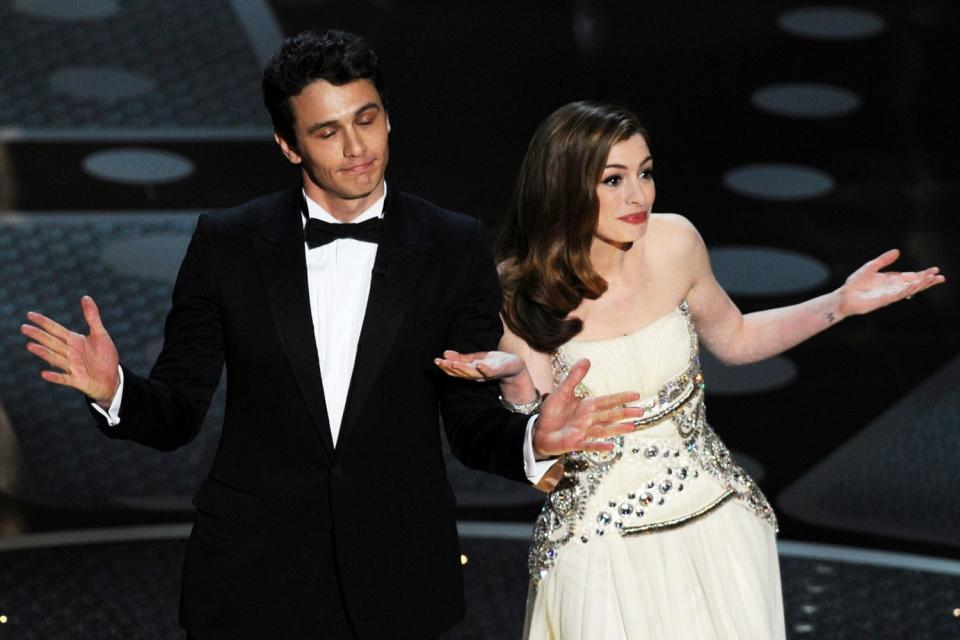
column 280, row 503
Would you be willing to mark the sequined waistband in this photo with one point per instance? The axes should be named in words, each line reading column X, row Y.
column 670, row 397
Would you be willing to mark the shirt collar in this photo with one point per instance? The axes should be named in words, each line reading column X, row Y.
column 314, row 210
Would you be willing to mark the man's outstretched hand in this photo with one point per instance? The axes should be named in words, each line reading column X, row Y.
column 87, row 363
column 568, row 423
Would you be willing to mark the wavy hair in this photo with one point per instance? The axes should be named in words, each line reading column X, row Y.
column 339, row 57
column 544, row 243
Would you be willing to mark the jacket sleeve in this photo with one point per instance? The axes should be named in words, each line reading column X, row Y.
column 166, row 409
column 482, row 434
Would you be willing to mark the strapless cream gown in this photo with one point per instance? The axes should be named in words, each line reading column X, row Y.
column 666, row 537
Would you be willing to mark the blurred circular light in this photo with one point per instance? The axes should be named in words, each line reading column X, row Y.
column 105, row 84
column 757, row 377
column 137, row 166
column 762, row 271
column 778, row 181
column 806, row 100
column 156, row 257
column 832, row 23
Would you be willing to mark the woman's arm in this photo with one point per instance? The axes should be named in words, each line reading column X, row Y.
column 736, row 338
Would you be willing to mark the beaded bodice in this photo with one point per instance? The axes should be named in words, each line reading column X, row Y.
column 670, row 470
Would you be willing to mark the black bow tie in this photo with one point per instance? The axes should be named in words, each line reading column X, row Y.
column 319, row 233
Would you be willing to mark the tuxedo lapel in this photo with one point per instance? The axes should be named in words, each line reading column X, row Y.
column 397, row 268
column 279, row 250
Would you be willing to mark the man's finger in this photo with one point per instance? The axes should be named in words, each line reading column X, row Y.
column 614, row 400
column 92, row 315
column 574, row 377
column 39, row 335
column 48, row 356
column 57, row 378
column 617, row 415
column 52, row 327
column 610, row 430
column 595, row 445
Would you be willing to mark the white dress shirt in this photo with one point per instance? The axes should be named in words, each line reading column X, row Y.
column 338, row 279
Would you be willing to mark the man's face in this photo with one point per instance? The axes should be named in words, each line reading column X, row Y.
column 341, row 144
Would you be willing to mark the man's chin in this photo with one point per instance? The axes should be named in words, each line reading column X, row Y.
column 352, row 191
column 358, row 192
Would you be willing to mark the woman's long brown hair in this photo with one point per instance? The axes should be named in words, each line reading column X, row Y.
column 544, row 243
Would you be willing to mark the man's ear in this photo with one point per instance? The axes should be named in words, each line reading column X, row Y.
column 288, row 152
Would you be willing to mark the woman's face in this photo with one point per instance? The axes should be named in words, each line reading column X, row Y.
column 626, row 192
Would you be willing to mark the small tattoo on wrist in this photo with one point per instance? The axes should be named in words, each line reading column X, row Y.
column 830, row 317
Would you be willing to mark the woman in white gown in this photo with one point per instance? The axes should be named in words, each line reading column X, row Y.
column 654, row 533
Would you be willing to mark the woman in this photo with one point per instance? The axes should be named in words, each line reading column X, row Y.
column 662, row 536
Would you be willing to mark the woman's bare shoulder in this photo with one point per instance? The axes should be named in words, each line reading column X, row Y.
column 674, row 224
column 674, row 233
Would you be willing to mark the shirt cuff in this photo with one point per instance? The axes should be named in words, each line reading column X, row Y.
column 533, row 468
column 113, row 413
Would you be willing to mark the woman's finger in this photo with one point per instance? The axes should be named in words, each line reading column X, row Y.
column 884, row 260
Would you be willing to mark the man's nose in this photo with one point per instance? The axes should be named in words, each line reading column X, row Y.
column 353, row 144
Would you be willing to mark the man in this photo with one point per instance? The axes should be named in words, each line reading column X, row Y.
column 327, row 512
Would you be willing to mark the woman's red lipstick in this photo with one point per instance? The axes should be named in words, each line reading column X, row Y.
column 635, row 218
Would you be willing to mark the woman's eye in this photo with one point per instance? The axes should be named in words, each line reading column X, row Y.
column 647, row 174
column 612, row 181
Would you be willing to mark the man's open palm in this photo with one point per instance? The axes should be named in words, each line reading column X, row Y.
column 87, row 363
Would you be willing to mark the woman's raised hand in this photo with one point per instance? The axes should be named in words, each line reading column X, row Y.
column 868, row 288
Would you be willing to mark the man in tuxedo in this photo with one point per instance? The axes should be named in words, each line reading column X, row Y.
column 327, row 512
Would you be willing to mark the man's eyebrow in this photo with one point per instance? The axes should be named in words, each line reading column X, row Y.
column 366, row 107
column 333, row 123
column 622, row 166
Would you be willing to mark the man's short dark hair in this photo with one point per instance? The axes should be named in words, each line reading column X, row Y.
column 339, row 57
